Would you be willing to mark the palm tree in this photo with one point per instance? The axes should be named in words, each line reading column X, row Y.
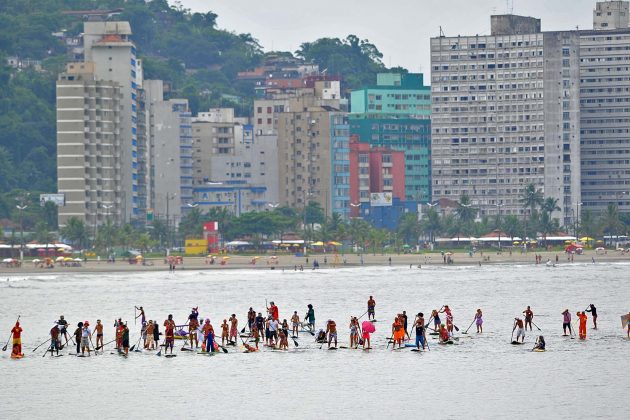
column 358, row 230
column 409, row 228
column 511, row 226
column 550, row 205
column 431, row 224
column 531, row 197
column 75, row 231
column 610, row 223
column 465, row 211
column 547, row 225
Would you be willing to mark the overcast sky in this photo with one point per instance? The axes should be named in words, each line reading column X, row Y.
column 400, row 29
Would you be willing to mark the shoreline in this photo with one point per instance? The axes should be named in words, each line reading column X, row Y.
column 288, row 262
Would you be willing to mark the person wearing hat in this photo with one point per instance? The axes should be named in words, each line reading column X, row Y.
column 63, row 327
column 86, row 336
column 566, row 323
column 78, row 333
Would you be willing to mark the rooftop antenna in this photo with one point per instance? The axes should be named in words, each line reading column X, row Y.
column 441, row 33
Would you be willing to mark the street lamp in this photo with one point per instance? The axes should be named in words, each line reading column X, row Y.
column 21, row 208
column 192, row 206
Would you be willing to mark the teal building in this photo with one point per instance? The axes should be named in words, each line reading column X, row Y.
column 396, row 114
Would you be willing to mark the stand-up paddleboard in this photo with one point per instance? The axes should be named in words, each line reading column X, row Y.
column 170, row 355
column 16, row 356
column 539, row 350
column 517, row 343
column 624, row 321
column 446, row 342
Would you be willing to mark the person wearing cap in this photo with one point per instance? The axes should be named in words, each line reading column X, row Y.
column 16, row 333
column 86, row 336
column 99, row 334
column 331, row 330
column 78, row 333
column 63, row 327
column 566, row 323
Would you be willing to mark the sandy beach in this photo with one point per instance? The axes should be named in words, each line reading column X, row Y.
column 289, row 262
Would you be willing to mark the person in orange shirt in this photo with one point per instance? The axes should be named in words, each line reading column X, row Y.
column 583, row 318
column 398, row 332
column 17, row 340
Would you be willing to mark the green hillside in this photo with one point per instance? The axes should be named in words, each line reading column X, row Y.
column 184, row 48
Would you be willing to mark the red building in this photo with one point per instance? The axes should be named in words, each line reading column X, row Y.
column 374, row 170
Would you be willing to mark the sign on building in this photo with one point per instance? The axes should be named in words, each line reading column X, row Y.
column 58, row 199
column 381, row 199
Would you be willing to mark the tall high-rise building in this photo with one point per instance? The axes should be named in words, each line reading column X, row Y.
column 395, row 113
column 88, row 146
column 605, row 110
column 506, row 113
column 109, row 47
column 304, row 139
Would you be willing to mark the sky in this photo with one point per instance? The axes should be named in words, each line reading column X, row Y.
column 400, row 29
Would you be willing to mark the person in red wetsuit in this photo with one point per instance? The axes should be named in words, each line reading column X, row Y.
column 17, row 339
column 583, row 318
column 273, row 311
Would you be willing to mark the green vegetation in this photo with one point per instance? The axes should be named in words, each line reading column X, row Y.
column 184, row 48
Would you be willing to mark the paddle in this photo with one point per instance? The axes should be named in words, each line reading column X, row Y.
column 95, row 353
column 42, row 344
column 536, row 326
column 10, row 334
column 101, row 346
column 473, row 321
column 137, row 343
column 535, row 345
column 362, row 315
column 159, row 353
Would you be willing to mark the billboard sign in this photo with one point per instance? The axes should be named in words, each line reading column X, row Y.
column 381, row 199
column 58, row 199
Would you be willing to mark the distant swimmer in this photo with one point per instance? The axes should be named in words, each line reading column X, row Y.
column 520, row 330
column 583, row 318
column 566, row 323
column 593, row 310
column 529, row 316
column 371, row 306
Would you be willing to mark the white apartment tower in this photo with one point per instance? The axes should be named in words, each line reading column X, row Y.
column 506, row 114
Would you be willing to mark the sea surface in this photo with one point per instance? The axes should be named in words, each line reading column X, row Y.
column 482, row 376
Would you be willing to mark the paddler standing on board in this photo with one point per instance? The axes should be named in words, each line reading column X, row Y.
column 371, row 305
column 54, row 339
column 520, row 329
column 449, row 319
column 398, row 332
column 420, row 332
column 273, row 311
column 529, row 316
column 582, row 330
column 193, row 324
column 208, row 335
column 98, row 328
column 331, row 330
column 169, row 334
column 17, row 340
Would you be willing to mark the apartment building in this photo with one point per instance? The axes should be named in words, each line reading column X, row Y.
column 506, row 113
column 88, row 146
column 605, row 110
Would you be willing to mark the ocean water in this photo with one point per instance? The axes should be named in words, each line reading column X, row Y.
column 482, row 376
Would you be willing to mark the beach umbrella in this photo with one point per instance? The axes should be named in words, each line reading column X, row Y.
column 406, row 246
column 368, row 327
column 67, row 259
column 319, row 243
column 226, row 258
column 139, row 257
column 61, row 250
column 333, row 243
column 78, row 260
column 586, row 238
column 256, row 258
column 60, row 259
column 515, row 243
column 7, row 260
column 36, row 260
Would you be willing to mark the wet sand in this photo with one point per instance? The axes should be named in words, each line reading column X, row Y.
column 289, row 262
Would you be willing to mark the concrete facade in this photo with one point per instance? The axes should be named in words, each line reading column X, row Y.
column 605, row 119
column 611, row 15
column 88, row 146
column 108, row 46
column 506, row 114
column 303, row 153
